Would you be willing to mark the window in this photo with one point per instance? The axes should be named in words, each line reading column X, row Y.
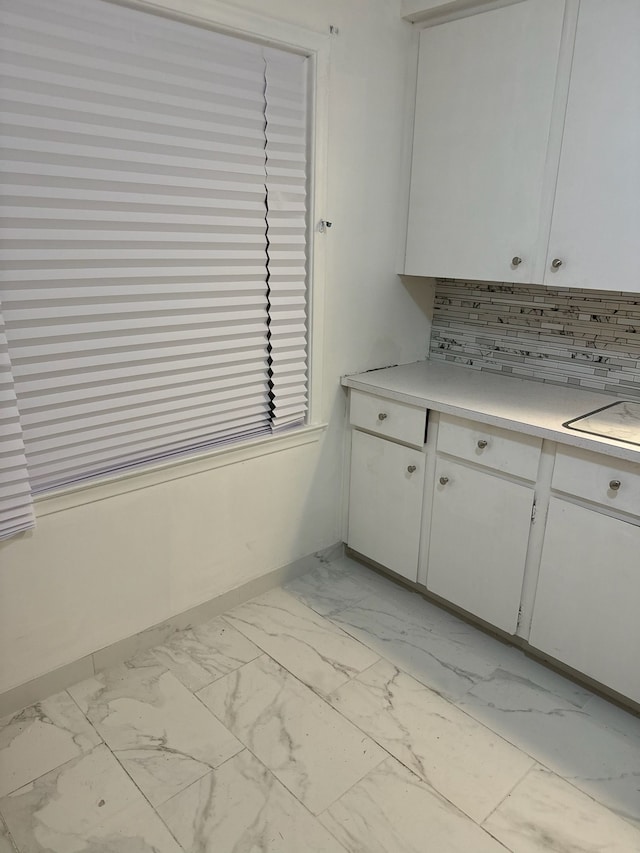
column 154, row 287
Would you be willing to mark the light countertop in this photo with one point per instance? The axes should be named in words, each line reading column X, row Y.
column 523, row 405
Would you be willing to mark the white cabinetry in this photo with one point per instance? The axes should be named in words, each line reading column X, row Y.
column 596, row 215
column 387, row 482
column 480, row 520
column 586, row 608
column 453, row 512
column 483, row 111
column 527, row 129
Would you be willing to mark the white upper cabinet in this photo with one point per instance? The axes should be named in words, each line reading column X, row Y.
column 526, row 141
column 483, row 112
column 595, row 228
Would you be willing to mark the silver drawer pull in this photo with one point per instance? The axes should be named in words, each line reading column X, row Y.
column 383, row 416
column 482, row 443
column 444, row 481
column 411, row 468
column 516, row 261
column 614, row 485
column 556, row 263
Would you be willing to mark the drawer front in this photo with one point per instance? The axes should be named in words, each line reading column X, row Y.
column 491, row 447
column 594, row 476
column 388, row 418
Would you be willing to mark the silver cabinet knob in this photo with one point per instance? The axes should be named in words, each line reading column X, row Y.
column 614, row 485
column 411, row 468
column 382, row 416
column 444, row 481
column 516, row 261
column 482, row 443
column 556, row 263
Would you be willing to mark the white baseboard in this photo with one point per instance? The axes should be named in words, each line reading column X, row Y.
column 59, row 679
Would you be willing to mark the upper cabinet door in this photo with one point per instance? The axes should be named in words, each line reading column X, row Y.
column 483, row 112
column 595, row 230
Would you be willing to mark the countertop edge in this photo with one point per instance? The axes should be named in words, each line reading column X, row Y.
column 609, row 447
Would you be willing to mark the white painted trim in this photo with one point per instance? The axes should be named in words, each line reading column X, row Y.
column 536, row 538
column 411, row 89
column 131, row 481
column 429, row 13
column 316, row 242
column 226, row 18
column 44, row 685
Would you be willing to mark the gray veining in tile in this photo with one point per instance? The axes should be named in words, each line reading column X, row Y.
column 162, row 735
column 545, row 814
column 41, row 737
column 6, row 845
column 442, row 661
column 200, row 655
column 467, row 763
column 392, row 811
column 334, row 586
column 88, row 805
column 215, row 794
column 621, row 421
column 309, row 646
column 600, row 760
column 310, row 747
column 242, row 807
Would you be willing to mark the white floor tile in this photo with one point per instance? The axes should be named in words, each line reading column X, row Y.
column 40, row 738
column 600, row 760
column 336, row 585
column 392, row 811
column 242, row 807
column 160, row 732
column 544, row 814
column 199, row 655
column 311, row 748
column 88, row 805
column 5, row 841
column 446, row 663
column 306, row 644
column 466, row 762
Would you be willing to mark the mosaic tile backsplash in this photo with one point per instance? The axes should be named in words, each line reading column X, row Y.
column 566, row 336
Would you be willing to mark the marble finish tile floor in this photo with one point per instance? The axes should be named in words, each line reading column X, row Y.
column 340, row 714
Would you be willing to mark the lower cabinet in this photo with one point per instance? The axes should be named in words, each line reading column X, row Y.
column 478, row 546
column 479, row 534
column 385, row 503
column 586, row 606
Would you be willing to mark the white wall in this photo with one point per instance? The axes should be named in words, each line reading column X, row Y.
column 91, row 575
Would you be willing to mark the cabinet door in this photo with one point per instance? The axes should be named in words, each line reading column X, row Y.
column 483, row 111
column 479, row 535
column 385, row 502
column 596, row 215
column 586, row 607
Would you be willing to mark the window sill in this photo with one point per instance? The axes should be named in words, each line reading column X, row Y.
column 131, row 481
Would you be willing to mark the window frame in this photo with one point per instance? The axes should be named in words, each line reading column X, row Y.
column 220, row 17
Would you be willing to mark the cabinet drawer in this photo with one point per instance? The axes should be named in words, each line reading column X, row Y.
column 592, row 475
column 388, row 418
column 492, row 447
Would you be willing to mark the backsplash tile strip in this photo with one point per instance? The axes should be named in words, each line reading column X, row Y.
column 565, row 336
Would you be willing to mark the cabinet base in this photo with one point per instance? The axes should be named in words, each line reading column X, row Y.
column 512, row 640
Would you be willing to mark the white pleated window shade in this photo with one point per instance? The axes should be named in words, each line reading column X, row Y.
column 286, row 97
column 16, row 508
column 135, row 287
